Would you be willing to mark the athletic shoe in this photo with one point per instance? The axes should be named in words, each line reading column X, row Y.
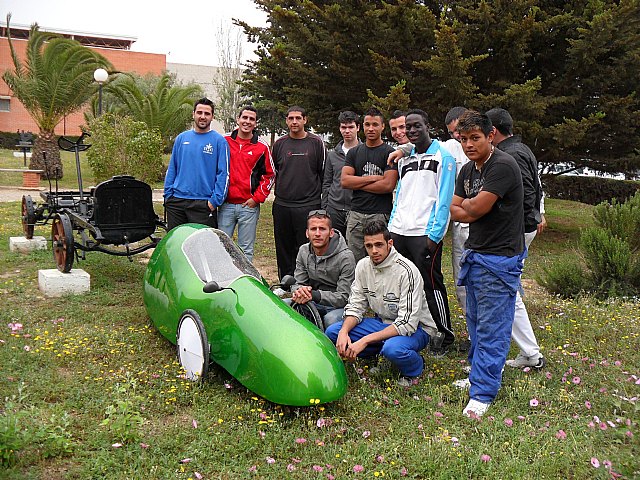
column 464, row 346
column 463, row 384
column 279, row 292
column 475, row 409
column 522, row 361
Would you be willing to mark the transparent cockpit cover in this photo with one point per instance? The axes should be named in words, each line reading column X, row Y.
column 214, row 257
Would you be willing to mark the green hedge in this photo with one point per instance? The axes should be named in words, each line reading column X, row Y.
column 590, row 190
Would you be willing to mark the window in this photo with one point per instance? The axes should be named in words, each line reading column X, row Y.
column 4, row 104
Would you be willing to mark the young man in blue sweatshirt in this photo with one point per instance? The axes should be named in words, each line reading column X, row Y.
column 198, row 175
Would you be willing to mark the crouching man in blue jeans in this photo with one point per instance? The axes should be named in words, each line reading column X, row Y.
column 488, row 196
column 392, row 287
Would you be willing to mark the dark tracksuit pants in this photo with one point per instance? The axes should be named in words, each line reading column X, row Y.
column 430, row 267
column 289, row 232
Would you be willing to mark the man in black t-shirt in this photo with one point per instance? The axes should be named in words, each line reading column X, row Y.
column 299, row 162
column 488, row 196
column 366, row 173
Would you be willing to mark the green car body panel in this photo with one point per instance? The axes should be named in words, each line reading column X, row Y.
column 262, row 342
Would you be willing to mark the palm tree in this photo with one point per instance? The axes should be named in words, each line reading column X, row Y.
column 159, row 104
column 56, row 79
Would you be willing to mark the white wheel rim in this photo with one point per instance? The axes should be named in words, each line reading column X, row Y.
column 190, row 348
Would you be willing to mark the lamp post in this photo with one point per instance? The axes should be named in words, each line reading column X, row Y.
column 100, row 76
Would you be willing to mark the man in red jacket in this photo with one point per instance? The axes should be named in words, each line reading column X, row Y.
column 251, row 175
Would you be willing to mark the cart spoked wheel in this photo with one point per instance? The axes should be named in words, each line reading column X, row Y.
column 62, row 242
column 192, row 345
column 28, row 216
column 310, row 312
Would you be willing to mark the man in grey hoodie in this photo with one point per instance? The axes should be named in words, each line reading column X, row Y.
column 325, row 269
column 335, row 199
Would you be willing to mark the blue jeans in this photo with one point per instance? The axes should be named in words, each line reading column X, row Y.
column 400, row 350
column 492, row 282
column 232, row 214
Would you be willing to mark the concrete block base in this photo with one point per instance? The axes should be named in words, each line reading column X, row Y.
column 54, row 283
column 24, row 245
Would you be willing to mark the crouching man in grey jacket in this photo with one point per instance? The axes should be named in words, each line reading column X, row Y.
column 324, row 269
column 392, row 287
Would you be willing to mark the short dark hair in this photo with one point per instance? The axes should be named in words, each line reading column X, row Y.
column 397, row 114
column 374, row 112
column 204, row 101
column 375, row 227
column 422, row 113
column 454, row 114
column 471, row 120
column 502, row 120
column 348, row 117
column 297, row 108
column 249, row 108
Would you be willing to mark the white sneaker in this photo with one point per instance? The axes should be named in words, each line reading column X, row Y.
column 522, row 361
column 463, row 384
column 475, row 409
column 279, row 292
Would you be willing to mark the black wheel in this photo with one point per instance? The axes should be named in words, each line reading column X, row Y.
column 62, row 242
column 28, row 216
column 192, row 346
column 310, row 312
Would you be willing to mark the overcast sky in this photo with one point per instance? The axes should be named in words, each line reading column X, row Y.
column 184, row 30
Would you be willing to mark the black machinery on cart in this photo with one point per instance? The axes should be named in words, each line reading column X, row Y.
column 114, row 217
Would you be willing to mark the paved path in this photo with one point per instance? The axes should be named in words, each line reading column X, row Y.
column 14, row 194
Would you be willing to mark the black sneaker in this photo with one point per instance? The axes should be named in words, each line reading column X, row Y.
column 464, row 346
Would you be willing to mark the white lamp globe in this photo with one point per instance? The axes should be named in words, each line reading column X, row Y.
column 100, row 75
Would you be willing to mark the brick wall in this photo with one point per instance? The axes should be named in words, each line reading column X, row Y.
column 19, row 119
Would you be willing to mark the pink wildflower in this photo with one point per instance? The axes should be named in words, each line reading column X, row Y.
column 270, row 460
column 321, row 423
column 301, row 440
column 380, row 458
column 561, row 435
column 548, row 375
column 587, row 404
column 330, row 477
column 358, row 468
column 252, row 468
column 629, row 434
column 403, row 472
column 185, row 460
column 595, row 463
column 607, row 464
column 144, row 445
column 194, row 422
column 366, row 434
column 439, row 414
column 576, row 380
column 508, row 422
column 591, row 425
column 317, row 468
column 603, row 426
column 533, row 402
column 198, row 475
column 485, row 458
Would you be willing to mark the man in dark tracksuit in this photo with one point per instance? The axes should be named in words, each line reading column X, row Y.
column 299, row 163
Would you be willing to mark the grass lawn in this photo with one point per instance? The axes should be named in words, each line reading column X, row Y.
column 91, row 391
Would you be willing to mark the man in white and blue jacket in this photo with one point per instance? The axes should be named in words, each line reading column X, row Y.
column 197, row 179
column 420, row 215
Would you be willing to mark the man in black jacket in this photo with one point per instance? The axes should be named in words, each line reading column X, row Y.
column 534, row 222
column 335, row 199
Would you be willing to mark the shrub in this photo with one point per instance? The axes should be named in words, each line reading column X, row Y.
column 590, row 190
column 621, row 219
column 608, row 258
column 609, row 251
column 123, row 146
column 565, row 277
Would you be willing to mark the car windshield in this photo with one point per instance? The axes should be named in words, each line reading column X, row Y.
column 214, row 256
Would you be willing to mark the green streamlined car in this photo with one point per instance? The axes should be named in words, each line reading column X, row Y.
column 204, row 296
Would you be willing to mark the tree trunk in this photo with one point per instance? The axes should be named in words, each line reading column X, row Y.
column 46, row 143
